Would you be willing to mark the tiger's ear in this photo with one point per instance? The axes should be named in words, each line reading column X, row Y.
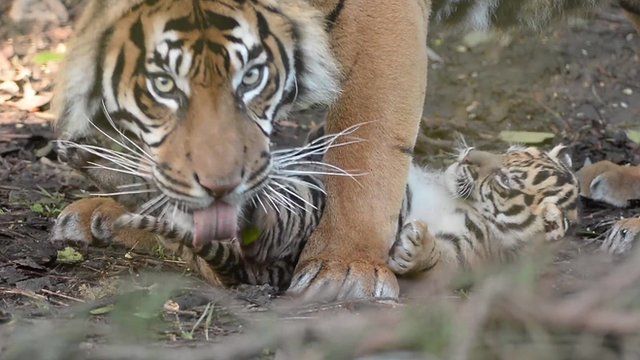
column 561, row 154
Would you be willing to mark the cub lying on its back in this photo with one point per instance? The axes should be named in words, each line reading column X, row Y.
column 484, row 207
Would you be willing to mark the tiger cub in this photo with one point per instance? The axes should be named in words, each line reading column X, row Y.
column 483, row 207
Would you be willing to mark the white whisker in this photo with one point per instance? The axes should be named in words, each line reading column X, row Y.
column 299, row 181
column 285, row 201
column 155, row 207
column 144, row 207
column 115, row 127
column 125, row 193
column 296, row 195
column 114, row 140
column 134, row 173
column 261, row 203
column 128, row 186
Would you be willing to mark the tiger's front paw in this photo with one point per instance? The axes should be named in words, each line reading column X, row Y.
column 555, row 222
column 414, row 249
column 87, row 222
column 319, row 280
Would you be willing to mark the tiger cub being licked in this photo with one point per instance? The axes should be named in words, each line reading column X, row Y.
column 484, row 207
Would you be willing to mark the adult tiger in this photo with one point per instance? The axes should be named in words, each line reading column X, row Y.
column 200, row 82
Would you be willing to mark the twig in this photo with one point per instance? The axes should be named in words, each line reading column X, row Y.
column 32, row 295
column 195, row 326
column 63, row 296
column 207, row 322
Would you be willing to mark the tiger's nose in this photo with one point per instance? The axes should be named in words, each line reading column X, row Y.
column 216, row 189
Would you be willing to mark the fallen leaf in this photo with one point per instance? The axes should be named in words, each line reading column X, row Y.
column 634, row 135
column 250, row 235
column 525, row 137
column 48, row 57
column 10, row 87
column 69, row 255
column 33, row 102
column 102, row 310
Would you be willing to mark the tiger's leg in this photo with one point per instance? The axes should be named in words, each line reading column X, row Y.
column 90, row 222
column 381, row 45
column 415, row 250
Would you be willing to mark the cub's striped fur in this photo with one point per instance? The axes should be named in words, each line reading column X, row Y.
column 484, row 207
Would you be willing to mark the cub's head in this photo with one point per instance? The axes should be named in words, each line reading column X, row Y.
column 515, row 182
column 197, row 84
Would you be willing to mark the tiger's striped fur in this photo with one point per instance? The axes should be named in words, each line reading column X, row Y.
column 484, row 207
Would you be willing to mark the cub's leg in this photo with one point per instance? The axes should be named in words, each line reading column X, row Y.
column 381, row 45
column 91, row 221
column 415, row 250
column 555, row 222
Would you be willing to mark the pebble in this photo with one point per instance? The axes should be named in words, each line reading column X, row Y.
column 627, row 91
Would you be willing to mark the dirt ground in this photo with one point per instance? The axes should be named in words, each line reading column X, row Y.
column 580, row 82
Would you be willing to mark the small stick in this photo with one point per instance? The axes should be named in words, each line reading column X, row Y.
column 63, row 296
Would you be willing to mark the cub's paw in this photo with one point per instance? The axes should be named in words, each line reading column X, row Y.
column 414, row 249
column 555, row 222
column 623, row 236
column 317, row 280
column 87, row 222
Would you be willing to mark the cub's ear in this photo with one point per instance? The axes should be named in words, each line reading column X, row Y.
column 561, row 154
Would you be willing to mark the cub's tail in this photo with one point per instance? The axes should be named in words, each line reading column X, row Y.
column 483, row 14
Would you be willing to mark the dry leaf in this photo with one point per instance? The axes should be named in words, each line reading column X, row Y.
column 10, row 87
column 31, row 100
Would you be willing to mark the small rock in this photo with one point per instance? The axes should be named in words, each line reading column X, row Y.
column 627, row 91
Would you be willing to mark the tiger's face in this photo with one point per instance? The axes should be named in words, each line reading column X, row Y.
column 200, row 84
column 197, row 86
column 515, row 182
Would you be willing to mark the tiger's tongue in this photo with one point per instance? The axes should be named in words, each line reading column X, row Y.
column 217, row 222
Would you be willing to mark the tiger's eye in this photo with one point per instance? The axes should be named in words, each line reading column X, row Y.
column 164, row 84
column 252, row 77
